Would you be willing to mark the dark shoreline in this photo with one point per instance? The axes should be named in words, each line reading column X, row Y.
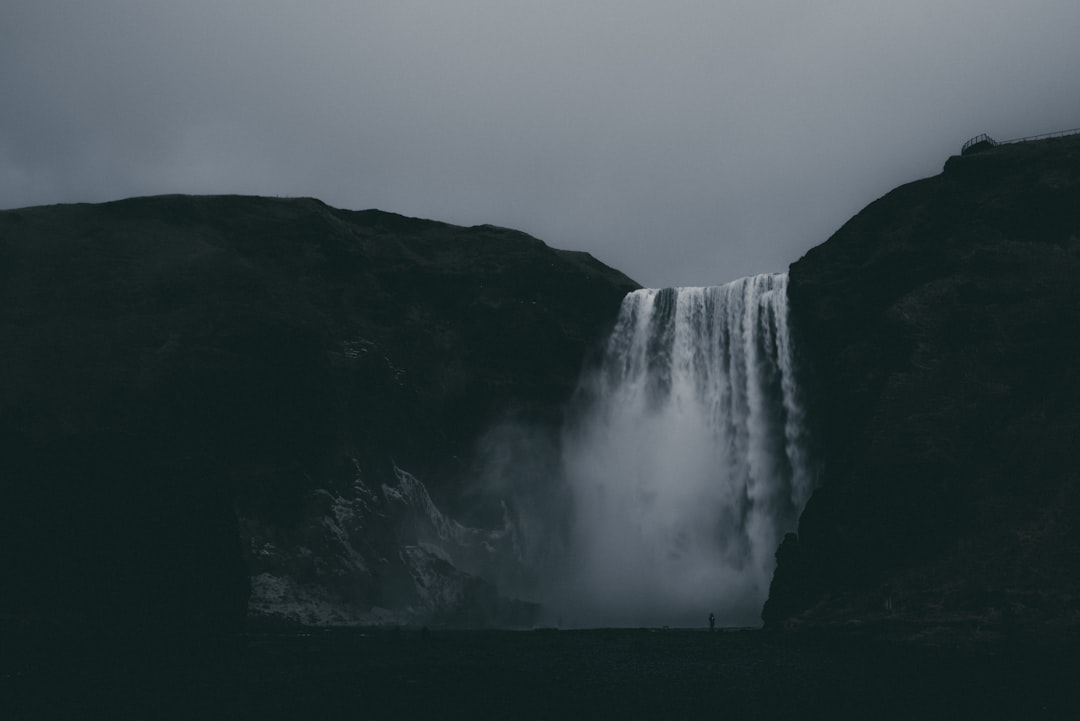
column 600, row 673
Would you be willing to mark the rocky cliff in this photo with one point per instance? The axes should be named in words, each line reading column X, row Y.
column 940, row 336
column 203, row 398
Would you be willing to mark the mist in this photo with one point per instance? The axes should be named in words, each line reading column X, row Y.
column 681, row 465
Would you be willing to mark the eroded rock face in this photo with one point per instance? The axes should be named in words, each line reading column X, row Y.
column 939, row 332
column 194, row 389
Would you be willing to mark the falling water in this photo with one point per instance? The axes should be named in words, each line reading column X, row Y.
column 688, row 466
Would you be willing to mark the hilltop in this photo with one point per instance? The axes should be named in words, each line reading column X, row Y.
column 201, row 393
column 938, row 332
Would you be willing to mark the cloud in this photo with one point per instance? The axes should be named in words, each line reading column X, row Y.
column 684, row 143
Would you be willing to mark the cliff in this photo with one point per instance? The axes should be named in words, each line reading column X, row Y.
column 203, row 398
column 938, row 332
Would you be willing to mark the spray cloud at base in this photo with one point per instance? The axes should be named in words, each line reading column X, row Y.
column 679, row 471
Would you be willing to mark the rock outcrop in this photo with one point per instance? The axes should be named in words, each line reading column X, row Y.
column 205, row 396
column 940, row 335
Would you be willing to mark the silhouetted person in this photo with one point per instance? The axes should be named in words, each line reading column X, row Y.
column 712, row 622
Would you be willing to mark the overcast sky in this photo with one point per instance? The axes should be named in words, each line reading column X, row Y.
column 684, row 142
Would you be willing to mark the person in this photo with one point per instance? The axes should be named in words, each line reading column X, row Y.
column 712, row 622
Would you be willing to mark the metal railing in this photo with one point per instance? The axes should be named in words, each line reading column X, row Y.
column 981, row 138
column 1058, row 134
column 990, row 142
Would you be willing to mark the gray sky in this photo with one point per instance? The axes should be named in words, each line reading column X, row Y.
column 684, row 142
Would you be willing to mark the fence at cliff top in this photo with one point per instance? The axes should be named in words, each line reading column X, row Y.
column 990, row 142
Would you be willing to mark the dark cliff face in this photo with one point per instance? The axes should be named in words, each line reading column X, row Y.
column 170, row 361
column 940, row 335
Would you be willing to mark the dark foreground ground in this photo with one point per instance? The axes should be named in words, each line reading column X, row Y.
column 409, row 674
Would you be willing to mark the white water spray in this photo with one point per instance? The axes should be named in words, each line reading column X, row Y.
column 688, row 465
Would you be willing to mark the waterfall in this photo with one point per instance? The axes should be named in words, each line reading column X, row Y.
column 687, row 465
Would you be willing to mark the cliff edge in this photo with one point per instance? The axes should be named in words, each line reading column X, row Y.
column 210, row 399
column 939, row 337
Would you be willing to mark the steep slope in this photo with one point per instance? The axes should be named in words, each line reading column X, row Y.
column 167, row 360
column 939, row 331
